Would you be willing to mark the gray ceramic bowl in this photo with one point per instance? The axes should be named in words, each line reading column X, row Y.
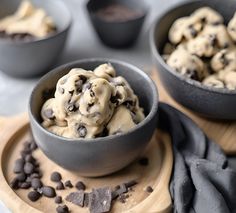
column 210, row 102
column 100, row 156
column 32, row 58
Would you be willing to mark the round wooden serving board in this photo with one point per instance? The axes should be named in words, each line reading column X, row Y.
column 15, row 131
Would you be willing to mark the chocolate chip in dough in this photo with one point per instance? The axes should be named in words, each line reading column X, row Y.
column 92, row 94
column 149, row 189
column 68, row 184
column 78, row 86
column 28, row 168
column 80, row 185
column 48, row 113
column 82, row 131
column 56, row 177
column 19, row 166
column 76, row 198
column 60, row 186
column 48, row 191
column 192, row 31
column 34, row 196
column 36, row 183
column 71, row 107
column 62, row 209
column 58, row 199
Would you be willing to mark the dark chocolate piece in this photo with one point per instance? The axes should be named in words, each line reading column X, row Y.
column 14, row 184
column 149, row 189
column 143, row 161
column 34, row 196
column 25, row 185
column 21, row 177
column 131, row 183
column 30, row 158
column 28, row 168
column 19, row 166
column 58, row 199
column 62, row 209
column 55, row 177
column 76, row 198
column 68, row 184
column 48, row 191
column 36, row 183
column 80, row 185
column 60, row 186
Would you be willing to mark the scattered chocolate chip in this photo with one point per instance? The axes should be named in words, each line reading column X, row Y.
column 33, row 196
column 82, row 131
column 14, row 184
column 60, row 186
column 36, row 183
column 76, row 198
column 19, row 166
column 143, row 161
column 55, row 177
column 62, row 209
column 25, row 185
column 100, row 200
column 68, row 184
column 149, row 189
column 58, row 199
column 48, row 191
column 28, row 168
column 48, row 113
column 80, row 185
column 21, row 177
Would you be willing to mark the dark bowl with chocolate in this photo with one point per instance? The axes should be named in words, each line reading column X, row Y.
column 207, row 101
column 101, row 155
column 117, row 22
column 25, row 56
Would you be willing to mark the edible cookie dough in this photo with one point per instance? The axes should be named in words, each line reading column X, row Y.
column 28, row 20
column 89, row 104
column 201, row 47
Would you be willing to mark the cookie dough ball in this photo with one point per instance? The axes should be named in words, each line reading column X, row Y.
column 232, row 28
column 213, row 81
column 187, row 64
column 229, row 78
column 184, row 29
column 224, row 59
column 208, row 16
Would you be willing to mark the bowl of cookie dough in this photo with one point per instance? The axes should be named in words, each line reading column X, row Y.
column 193, row 48
column 32, row 34
column 92, row 116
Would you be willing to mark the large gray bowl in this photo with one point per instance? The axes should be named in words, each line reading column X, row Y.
column 100, row 156
column 32, row 58
column 210, row 102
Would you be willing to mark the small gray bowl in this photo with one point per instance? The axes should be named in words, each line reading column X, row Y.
column 209, row 102
column 32, row 58
column 104, row 155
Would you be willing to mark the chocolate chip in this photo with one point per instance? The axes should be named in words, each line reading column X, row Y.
column 143, row 161
column 48, row 191
column 25, row 185
column 80, row 185
column 21, row 177
column 48, row 113
column 78, row 85
column 82, row 131
column 14, row 184
column 36, row 183
column 129, row 104
column 71, row 107
column 149, row 189
column 28, row 168
column 55, row 177
column 92, row 94
column 83, row 78
column 100, row 200
column 36, row 175
column 29, row 158
column 58, row 199
column 62, row 209
column 68, row 184
column 60, row 186
column 76, row 198
column 33, row 196
column 19, row 166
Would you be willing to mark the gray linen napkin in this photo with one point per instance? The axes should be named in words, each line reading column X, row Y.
column 201, row 180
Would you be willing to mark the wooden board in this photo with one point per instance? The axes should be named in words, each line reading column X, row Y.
column 223, row 133
column 14, row 131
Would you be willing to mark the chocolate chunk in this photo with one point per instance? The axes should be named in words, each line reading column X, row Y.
column 131, row 183
column 79, row 85
column 36, row 183
column 120, row 189
column 76, row 198
column 33, row 196
column 80, row 185
column 82, row 131
column 25, row 185
column 83, row 78
column 21, row 177
column 55, row 177
column 149, row 189
column 68, row 184
column 28, row 168
column 58, row 199
column 19, row 166
column 48, row 113
column 100, row 200
column 14, row 184
column 36, row 175
column 143, row 161
column 62, row 209
column 60, row 186
column 29, row 158
column 48, row 191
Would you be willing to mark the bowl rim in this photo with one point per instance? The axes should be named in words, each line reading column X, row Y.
column 157, row 54
column 48, row 37
column 152, row 113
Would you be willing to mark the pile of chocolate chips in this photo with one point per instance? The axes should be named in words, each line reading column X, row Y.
column 28, row 175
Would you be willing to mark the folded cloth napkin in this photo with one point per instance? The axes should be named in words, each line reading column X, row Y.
column 201, row 180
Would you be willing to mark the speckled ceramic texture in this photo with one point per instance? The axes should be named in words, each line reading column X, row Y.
column 33, row 58
column 104, row 155
column 209, row 102
column 117, row 34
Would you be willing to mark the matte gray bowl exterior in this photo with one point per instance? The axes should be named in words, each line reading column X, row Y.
column 210, row 102
column 32, row 58
column 100, row 156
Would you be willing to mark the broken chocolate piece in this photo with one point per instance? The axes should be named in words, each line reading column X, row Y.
column 14, row 184
column 76, row 198
column 68, row 184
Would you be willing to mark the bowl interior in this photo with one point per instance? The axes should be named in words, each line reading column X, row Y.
column 142, row 85
column 56, row 9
